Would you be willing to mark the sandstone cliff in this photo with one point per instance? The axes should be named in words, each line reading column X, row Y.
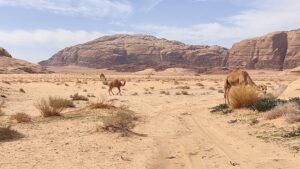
column 11, row 65
column 278, row 50
column 138, row 52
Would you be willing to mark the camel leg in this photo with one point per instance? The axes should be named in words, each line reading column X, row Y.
column 119, row 91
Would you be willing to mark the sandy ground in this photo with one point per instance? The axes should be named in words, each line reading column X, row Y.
column 182, row 133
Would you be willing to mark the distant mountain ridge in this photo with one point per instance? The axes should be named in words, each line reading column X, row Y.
column 138, row 52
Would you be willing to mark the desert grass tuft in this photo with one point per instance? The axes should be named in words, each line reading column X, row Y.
column 6, row 134
column 102, row 104
column 21, row 117
column 242, row 96
column 53, row 106
column 76, row 96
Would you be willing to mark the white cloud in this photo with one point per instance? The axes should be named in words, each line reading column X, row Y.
column 98, row 8
column 38, row 45
column 262, row 16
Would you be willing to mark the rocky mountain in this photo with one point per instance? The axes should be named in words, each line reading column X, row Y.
column 138, row 52
column 10, row 65
column 278, row 50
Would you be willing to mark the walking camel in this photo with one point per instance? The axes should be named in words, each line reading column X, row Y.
column 116, row 83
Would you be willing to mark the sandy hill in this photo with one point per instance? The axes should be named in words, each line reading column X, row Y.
column 10, row 65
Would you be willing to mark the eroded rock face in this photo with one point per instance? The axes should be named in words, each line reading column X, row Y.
column 4, row 53
column 138, row 52
column 278, row 50
column 11, row 65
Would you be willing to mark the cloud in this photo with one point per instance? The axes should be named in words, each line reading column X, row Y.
column 148, row 5
column 261, row 17
column 96, row 8
column 38, row 45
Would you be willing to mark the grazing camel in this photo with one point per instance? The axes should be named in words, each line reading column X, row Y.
column 240, row 77
column 113, row 84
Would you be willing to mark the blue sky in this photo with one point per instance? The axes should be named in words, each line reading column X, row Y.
column 34, row 30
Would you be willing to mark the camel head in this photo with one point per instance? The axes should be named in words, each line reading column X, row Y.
column 262, row 88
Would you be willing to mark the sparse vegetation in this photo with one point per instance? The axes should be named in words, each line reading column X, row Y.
column 223, row 108
column 8, row 134
column 1, row 106
column 242, row 96
column 291, row 134
column 22, row 90
column 21, row 117
column 266, row 104
column 121, row 121
column 164, row 92
column 102, row 104
column 53, row 106
column 76, row 96
column 183, row 87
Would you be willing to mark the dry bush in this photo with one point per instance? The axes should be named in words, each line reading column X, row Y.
column 184, row 92
column 212, row 88
column 121, row 121
column 290, row 110
column 199, row 84
column 91, row 95
column 152, row 88
column 134, row 94
column 102, row 104
column 22, row 90
column 242, row 96
column 176, row 82
column 76, row 96
column 220, row 91
column 53, row 106
column 183, row 87
column 66, row 84
column 8, row 134
column 164, row 92
column 21, row 117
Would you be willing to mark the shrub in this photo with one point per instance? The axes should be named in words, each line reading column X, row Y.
column 281, row 109
column 184, row 92
column 294, row 133
column 266, row 104
column 121, row 121
column 76, row 96
column 242, row 96
column 292, row 118
column 221, row 108
column 53, row 106
column 21, row 117
column 9, row 134
column 183, row 87
column 102, row 105
column 295, row 100
column 164, row 92
column 22, row 90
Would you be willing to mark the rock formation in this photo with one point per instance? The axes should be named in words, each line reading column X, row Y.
column 278, row 50
column 11, row 65
column 137, row 52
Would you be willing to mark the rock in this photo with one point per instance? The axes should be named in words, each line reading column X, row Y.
column 11, row 65
column 138, row 52
column 4, row 53
column 278, row 50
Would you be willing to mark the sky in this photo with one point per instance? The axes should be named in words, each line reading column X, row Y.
column 34, row 30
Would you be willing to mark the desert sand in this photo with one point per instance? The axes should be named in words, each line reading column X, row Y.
column 181, row 131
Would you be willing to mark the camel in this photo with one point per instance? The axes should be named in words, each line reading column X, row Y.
column 240, row 77
column 116, row 83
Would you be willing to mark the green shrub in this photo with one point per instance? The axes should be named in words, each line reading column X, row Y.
column 295, row 100
column 266, row 104
column 221, row 108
